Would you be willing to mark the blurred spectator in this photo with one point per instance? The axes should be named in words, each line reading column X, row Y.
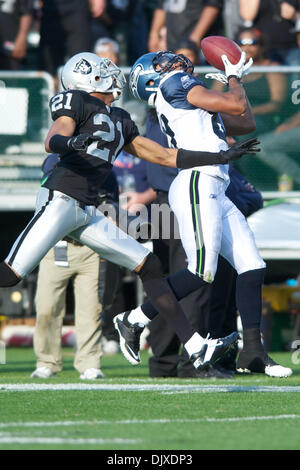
column 189, row 49
column 107, row 47
column 266, row 91
column 280, row 151
column 67, row 260
column 275, row 19
column 65, row 31
column 128, row 17
column 296, row 30
column 191, row 19
column 15, row 21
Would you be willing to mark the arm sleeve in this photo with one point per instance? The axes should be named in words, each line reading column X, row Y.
column 189, row 158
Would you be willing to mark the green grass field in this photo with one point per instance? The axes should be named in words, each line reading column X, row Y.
column 128, row 410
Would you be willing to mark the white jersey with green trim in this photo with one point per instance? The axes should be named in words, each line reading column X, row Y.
column 187, row 126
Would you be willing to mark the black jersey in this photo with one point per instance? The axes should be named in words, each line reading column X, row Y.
column 81, row 174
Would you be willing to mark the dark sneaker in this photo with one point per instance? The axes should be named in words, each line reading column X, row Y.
column 213, row 350
column 129, row 337
column 260, row 362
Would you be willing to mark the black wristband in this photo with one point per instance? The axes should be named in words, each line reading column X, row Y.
column 190, row 158
column 59, row 144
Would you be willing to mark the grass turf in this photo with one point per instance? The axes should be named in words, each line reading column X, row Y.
column 156, row 419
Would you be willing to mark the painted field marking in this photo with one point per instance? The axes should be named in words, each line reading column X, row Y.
column 147, row 388
column 50, row 424
column 61, row 441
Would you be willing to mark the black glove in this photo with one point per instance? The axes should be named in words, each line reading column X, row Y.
column 81, row 142
column 246, row 147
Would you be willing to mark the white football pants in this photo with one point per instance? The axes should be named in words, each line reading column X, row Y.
column 210, row 224
column 58, row 215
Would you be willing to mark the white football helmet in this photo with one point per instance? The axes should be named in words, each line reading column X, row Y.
column 88, row 72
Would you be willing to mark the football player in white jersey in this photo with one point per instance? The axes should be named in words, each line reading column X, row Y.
column 196, row 118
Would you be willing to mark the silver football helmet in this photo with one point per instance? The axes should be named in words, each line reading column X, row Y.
column 88, row 72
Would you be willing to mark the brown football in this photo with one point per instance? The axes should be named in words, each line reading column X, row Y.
column 213, row 47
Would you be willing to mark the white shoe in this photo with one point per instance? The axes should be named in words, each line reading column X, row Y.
column 42, row 373
column 92, row 374
column 278, row 371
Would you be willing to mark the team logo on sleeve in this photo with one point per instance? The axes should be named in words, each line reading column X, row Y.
column 83, row 67
column 186, row 81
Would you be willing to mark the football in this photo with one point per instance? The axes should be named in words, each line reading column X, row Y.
column 213, row 47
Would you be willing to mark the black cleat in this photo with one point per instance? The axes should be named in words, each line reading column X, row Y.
column 213, row 350
column 129, row 337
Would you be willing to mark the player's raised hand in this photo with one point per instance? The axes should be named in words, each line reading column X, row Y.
column 245, row 147
column 239, row 69
column 81, row 142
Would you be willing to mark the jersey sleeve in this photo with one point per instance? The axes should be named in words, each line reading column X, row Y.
column 26, row 7
column 67, row 103
column 176, row 88
column 214, row 3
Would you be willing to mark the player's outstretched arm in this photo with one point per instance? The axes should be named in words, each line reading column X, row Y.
column 149, row 150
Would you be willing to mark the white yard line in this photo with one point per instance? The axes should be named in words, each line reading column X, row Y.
column 50, row 424
column 135, row 387
column 58, row 441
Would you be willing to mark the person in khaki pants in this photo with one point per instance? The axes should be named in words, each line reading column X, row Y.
column 63, row 262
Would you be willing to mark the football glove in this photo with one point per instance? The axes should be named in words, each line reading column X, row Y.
column 221, row 77
column 81, row 142
column 236, row 151
column 239, row 69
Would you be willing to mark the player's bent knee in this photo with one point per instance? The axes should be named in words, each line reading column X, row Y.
column 151, row 268
column 7, row 277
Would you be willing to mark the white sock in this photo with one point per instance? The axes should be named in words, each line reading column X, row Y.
column 194, row 344
column 137, row 316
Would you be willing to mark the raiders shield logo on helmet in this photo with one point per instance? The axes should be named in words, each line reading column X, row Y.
column 83, row 66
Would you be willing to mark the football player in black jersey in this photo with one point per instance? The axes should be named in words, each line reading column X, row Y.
column 88, row 134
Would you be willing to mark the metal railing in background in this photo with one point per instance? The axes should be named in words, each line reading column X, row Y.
column 39, row 87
